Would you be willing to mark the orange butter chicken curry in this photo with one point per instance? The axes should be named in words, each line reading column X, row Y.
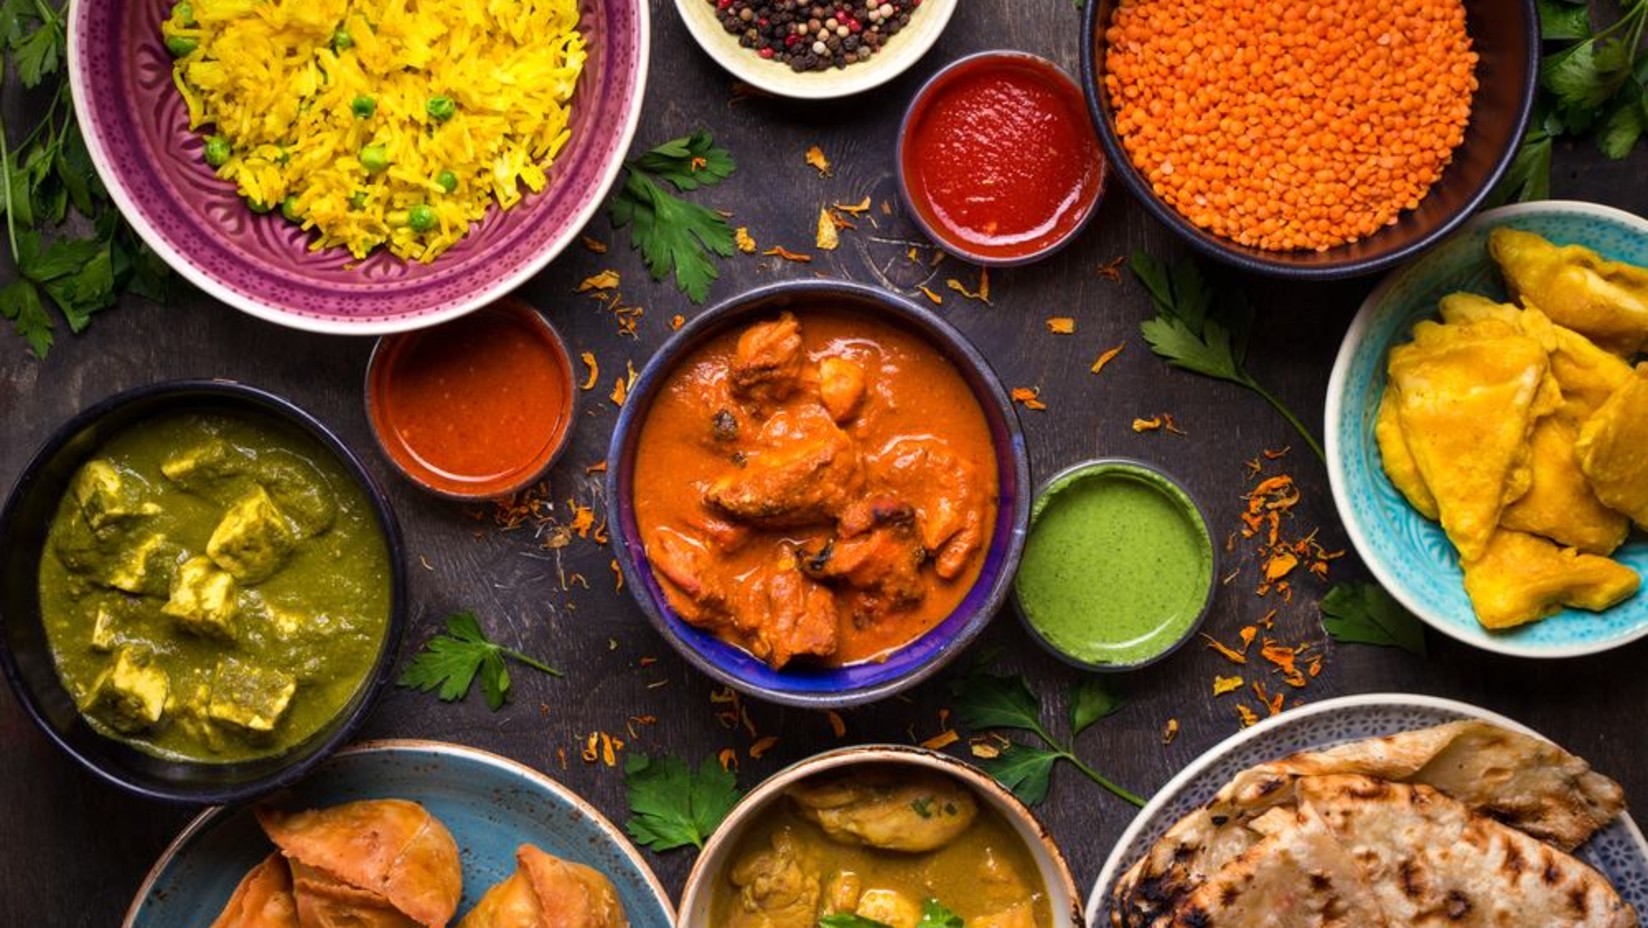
column 816, row 487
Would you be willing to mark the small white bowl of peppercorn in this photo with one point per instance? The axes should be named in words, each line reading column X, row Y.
column 812, row 49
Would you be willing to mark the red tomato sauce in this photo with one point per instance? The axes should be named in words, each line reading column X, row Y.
column 1000, row 160
column 476, row 407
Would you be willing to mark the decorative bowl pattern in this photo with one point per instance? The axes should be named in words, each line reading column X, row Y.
column 1408, row 553
column 826, row 687
column 137, row 131
column 1618, row 851
column 490, row 804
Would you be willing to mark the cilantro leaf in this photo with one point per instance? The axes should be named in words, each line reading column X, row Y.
column 935, row 915
column 849, row 920
column 673, row 235
column 20, row 302
column 987, row 700
column 1625, row 122
column 1529, row 176
column 1023, row 769
column 1094, row 698
column 1363, row 613
column 671, row 806
column 39, row 53
column 1564, row 19
column 689, row 162
column 449, row 663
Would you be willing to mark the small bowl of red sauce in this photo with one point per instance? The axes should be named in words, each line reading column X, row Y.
column 475, row 408
column 997, row 158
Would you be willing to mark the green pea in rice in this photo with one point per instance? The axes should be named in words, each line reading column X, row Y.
column 281, row 81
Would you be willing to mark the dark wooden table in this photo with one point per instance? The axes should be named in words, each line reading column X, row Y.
column 73, row 851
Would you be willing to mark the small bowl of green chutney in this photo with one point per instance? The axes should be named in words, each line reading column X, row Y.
column 1118, row 568
column 201, row 590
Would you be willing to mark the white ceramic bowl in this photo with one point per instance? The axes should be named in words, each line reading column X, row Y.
column 1066, row 905
column 900, row 52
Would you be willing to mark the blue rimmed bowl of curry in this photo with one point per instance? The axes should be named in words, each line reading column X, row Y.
column 202, row 590
column 820, row 493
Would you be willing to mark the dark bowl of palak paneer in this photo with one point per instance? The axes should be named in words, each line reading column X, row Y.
column 201, row 590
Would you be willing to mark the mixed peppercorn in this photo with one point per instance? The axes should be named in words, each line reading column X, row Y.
column 814, row 36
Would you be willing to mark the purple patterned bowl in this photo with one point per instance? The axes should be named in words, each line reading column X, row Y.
column 819, row 687
column 137, row 131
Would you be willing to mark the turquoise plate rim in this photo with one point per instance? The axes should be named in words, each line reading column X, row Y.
column 1570, row 633
column 417, row 747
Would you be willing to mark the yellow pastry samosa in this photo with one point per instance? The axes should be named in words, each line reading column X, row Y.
column 547, row 892
column 263, row 899
column 1613, row 448
column 1606, row 301
column 1520, row 578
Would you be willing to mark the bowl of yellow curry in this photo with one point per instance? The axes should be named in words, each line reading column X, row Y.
column 1486, row 425
column 203, row 590
column 880, row 834
column 820, row 493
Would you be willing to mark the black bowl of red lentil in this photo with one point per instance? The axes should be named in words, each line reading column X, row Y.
column 1321, row 141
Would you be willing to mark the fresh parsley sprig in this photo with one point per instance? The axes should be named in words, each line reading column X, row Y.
column 1194, row 331
column 450, row 663
column 672, row 234
column 672, row 806
column 985, row 701
column 1364, row 613
column 43, row 177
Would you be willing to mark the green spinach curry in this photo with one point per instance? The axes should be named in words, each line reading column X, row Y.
column 215, row 587
column 878, row 846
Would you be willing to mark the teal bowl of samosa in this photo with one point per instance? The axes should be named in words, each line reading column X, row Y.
column 203, row 590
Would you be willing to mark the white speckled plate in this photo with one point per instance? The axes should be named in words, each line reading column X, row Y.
column 1618, row 851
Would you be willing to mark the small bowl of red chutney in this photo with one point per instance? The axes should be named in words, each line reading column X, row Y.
column 997, row 159
column 476, row 408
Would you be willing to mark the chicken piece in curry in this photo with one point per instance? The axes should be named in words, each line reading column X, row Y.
column 882, row 843
column 817, row 487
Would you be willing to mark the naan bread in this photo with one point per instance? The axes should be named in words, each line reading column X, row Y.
column 263, row 898
column 387, row 847
column 1430, row 861
column 1521, row 780
column 547, row 892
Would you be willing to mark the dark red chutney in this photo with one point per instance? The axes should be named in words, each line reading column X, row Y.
column 999, row 160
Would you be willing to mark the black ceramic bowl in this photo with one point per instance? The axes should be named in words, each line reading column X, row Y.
column 1505, row 36
column 23, row 649
column 855, row 684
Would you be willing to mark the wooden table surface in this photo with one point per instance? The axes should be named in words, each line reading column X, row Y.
column 73, row 850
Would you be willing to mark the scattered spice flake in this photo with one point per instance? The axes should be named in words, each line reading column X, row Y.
column 594, row 245
column 617, row 576
column 988, row 746
column 1269, row 620
column 1272, row 704
column 929, row 293
column 1235, row 657
column 1170, row 425
column 829, row 237
column 1249, row 632
column 762, row 746
column 600, row 746
column 854, row 209
column 561, row 758
column 1225, row 580
column 646, row 661
column 1147, row 425
column 1170, row 731
column 426, row 565
column 583, row 518
column 1277, row 455
column 620, row 388
column 677, row 321
column 574, row 579
column 1029, row 396
column 1285, row 660
column 741, row 238
column 588, row 357
column 982, row 294
column 1249, row 719
column 1223, row 685
column 729, row 759
column 1061, row 325
column 1112, row 270
column 779, row 251
column 941, row 740
column 606, row 280
column 1108, row 356
column 1280, row 565
column 838, row 725
column 913, row 255
column 886, row 208
column 815, row 157
column 599, row 467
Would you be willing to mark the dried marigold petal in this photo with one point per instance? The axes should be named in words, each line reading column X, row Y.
column 930, row 294
column 1235, row 657
column 1280, row 565
column 1170, row 731
column 1061, row 325
column 677, row 321
column 815, row 157
column 1108, row 356
column 728, row 759
column 838, row 725
column 1029, row 397
column 829, row 237
column 982, row 294
column 617, row 576
column 941, row 740
column 741, row 238
column 762, row 746
column 856, row 209
column 606, row 280
column 599, row 467
column 1112, row 270
column 1247, row 715
column 1147, row 425
column 779, row 251
column 588, row 357
column 1223, row 685
column 594, row 245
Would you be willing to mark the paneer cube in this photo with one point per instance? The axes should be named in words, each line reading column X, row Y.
column 248, row 696
column 141, row 568
column 103, row 630
column 203, row 599
column 106, row 495
column 253, row 539
column 130, row 695
column 210, row 461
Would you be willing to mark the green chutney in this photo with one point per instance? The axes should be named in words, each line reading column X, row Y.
column 215, row 587
column 1117, row 566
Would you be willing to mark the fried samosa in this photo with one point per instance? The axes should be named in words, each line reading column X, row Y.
column 547, row 892
column 1397, row 459
column 1613, row 449
column 263, row 898
column 1520, row 578
column 1560, row 504
column 388, row 849
column 324, row 901
column 1607, row 301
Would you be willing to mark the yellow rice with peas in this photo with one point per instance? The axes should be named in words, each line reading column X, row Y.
column 379, row 122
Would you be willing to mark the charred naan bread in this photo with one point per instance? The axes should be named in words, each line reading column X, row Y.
column 263, row 898
column 1523, row 781
column 1607, row 301
column 1429, row 860
column 391, row 850
column 548, row 892
column 1613, row 448
column 1520, row 578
